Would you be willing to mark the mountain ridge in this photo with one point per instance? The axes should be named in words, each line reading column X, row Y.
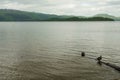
column 107, row 16
column 18, row 15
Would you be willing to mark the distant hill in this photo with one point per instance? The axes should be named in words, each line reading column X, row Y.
column 17, row 15
column 107, row 16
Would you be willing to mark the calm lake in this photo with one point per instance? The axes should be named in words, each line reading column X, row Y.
column 51, row 50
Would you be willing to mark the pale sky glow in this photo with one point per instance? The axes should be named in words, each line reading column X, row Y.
column 65, row 7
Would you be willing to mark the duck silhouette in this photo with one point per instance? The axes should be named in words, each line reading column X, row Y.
column 99, row 58
column 82, row 54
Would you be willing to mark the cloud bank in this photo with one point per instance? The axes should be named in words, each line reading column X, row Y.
column 65, row 7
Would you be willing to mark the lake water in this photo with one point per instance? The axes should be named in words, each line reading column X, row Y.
column 51, row 50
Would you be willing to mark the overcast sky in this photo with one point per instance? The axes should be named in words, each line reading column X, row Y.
column 65, row 7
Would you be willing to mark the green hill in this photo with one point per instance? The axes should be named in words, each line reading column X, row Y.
column 108, row 16
column 17, row 15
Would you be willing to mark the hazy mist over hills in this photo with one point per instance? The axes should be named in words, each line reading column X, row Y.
column 65, row 7
column 17, row 15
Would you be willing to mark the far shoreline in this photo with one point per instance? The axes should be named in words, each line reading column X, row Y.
column 59, row 21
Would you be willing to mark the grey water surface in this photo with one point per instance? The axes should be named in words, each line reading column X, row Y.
column 51, row 50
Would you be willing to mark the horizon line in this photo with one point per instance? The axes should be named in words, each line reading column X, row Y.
column 58, row 14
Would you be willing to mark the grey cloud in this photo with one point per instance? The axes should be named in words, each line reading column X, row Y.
column 114, row 2
column 71, row 7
